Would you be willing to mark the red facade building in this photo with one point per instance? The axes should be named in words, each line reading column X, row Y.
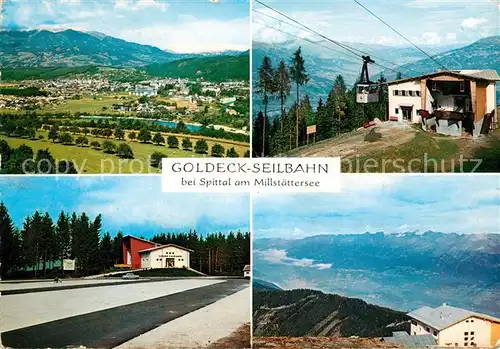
column 130, row 249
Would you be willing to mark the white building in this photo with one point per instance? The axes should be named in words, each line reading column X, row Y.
column 246, row 271
column 462, row 99
column 456, row 327
column 165, row 256
column 145, row 91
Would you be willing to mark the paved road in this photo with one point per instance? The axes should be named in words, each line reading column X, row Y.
column 111, row 327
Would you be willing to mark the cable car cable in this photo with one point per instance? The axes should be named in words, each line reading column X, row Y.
column 401, row 35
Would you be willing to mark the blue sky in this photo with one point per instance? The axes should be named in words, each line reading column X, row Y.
column 177, row 25
column 386, row 203
column 133, row 204
column 425, row 22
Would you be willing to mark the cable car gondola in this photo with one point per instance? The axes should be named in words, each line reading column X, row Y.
column 366, row 91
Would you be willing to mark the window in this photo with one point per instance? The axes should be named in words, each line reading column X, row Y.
column 466, row 338
column 427, row 329
column 472, row 333
column 412, row 321
column 471, row 320
column 466, row 320
column 466, row 333
column 410, row 93
column 403, row 93
column 395, row 92
column 417, row 93
column 465, row 344
column 435, row 333
column 396, row 111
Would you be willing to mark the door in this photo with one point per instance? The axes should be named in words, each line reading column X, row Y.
column 407, row 113
column 170, row 262
column 129, row 257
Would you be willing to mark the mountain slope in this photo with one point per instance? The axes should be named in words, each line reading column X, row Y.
column 401, row 271
column 68, row 48
column 482, row 54
column 263, row 285
column 313, row 313
column 213, row 68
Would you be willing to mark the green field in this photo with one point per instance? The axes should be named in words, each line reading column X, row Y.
column 87, row 104
column 92, row 161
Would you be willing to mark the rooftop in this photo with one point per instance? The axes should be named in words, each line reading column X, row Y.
column 404, row 339
column 478, row 74
column 444, row 316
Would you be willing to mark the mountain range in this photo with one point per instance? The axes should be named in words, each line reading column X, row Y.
column 47, row 54
column 400, row 271
column 324, row 61
column 303, row 312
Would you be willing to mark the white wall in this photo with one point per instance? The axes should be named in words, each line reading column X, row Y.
column 456, row 333
column 180, row 256
column 491, row 100
column 145, row 260
column 397, row 101
column 420, row 328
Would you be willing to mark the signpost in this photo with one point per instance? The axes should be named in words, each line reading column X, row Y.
column 311, row 130
column 68, row 264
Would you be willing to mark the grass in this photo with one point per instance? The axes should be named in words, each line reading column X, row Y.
column 92, row 161
column 87, row 104
column 422, row 154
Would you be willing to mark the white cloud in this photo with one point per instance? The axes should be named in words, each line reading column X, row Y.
column 472, row 22
column 281, row 257
column 431, row 38
column 138, row 200
column 193, row 35
column 451, row 36
column 134, row 5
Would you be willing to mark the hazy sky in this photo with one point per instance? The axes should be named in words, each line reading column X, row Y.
column 422, row 21
column 132, row 204
column 177, row 25
column 387, row 203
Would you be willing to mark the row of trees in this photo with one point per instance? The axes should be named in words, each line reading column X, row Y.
column 31, row 120
column 43, row 243
column 23, row 160
column 333, row 116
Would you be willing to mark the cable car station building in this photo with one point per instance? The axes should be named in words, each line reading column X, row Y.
column 140, row 253
column 447, row 102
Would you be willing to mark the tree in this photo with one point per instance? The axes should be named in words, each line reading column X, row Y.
column 187, row 144
column 95, row 144
column 66, row 167
column 106, row 252
column 63, row 236
column 54, row 133
column 399, row 76
column 173, row 142
column 108, row 147
column 85, row 131
column 231, row 153
column 144, row 135
column 132, row 135
column 324, row 123
column 65, row 138
column 158, row 139
column 119, row 133
column 266, row 88
column 299, row 77
column 10, row 243
column 247, row 154
column 107, row 132
column 156, row 159
column 82, row 140
column 124, row 151
column 217, row 150
column 21, row 161
column 117, row 248
column 44, row 162
column 283, row 87
column 201, row 146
